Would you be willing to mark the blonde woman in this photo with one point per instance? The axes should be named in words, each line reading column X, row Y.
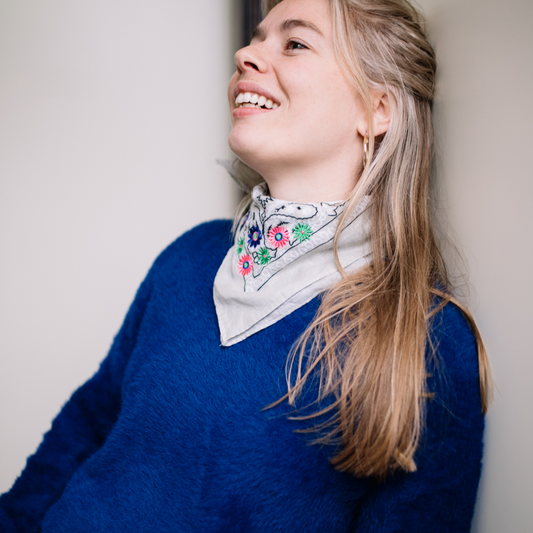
column 309, row 370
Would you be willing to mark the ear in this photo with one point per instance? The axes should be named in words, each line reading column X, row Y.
column 381, row 107
column 381, row 112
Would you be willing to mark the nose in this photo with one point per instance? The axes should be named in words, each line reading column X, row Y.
column 250, row 59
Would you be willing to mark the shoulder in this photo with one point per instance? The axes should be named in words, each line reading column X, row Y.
column 453, row 364
column 203, row 236
column 454, row 342
column 204, row 244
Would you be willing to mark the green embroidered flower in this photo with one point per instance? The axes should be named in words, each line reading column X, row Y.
column 302, row 232
column 240, row 245
column 263, row 256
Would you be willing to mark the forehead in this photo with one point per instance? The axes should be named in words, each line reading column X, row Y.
column 312, row 15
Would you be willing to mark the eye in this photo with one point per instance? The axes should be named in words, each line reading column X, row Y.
column 295, row 45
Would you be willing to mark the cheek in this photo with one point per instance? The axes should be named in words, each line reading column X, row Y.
column 337, row 118
column 338, row 102
column 322, row 102
column 332, row 122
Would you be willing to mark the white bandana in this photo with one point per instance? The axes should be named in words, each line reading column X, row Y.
column 282, row 258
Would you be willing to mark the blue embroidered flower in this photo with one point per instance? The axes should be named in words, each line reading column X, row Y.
column 254, row 236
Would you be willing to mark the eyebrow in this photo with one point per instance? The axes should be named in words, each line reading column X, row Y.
column 287, row 25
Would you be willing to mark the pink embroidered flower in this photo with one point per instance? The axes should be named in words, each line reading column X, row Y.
column 278, row 236
column 245, row 265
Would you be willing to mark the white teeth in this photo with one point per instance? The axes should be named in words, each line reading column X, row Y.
column 255, row 100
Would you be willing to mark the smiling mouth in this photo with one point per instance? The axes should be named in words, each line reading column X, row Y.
column 254, row 100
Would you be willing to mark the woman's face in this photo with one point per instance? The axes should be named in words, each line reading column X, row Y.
column 310, row 111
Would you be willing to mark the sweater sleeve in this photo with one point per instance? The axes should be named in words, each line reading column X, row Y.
column 440, row 496
column 78, row 431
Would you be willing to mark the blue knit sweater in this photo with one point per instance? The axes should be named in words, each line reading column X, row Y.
column 170, row 436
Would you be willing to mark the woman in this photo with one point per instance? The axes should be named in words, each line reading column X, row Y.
column 190, row 425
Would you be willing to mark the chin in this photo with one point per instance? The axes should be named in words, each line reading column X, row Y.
column 247, row 149
column 263, row 153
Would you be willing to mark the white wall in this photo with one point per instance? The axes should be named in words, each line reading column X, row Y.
column 112, row 113
column 484, row 115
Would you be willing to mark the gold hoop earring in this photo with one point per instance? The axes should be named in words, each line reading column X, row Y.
column 365, row 151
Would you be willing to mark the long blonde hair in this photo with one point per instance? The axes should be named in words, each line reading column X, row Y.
column 369, row 337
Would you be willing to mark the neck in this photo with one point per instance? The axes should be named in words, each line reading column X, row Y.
column 312, row 184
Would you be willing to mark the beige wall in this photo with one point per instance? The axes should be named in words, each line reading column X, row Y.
column 484, row 114
column 111, row 116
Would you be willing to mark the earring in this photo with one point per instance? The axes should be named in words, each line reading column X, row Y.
column 365, row 151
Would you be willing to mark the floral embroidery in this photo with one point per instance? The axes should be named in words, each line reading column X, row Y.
column 278, row 236
column 274, row 233
column 254, row 236
column 245, row 265
column 302, row 232
column 263, row 256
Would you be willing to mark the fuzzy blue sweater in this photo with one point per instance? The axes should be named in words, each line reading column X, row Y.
column 169, row 435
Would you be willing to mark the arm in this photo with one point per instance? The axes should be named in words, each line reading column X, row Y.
column 79, row 431
column 439, row 497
